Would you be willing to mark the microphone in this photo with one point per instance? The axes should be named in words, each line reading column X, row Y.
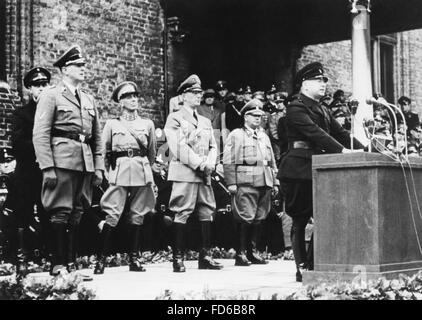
column 373, row 101
column 392, row 108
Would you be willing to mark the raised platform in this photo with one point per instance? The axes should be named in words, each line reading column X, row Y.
column 252, row 282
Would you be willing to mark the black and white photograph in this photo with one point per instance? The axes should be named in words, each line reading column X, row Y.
column 212, row 150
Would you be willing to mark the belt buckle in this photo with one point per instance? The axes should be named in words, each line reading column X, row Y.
column 130, row 153
column 265, row 163
column 82, row 138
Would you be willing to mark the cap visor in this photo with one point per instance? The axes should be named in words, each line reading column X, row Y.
column 77, row 61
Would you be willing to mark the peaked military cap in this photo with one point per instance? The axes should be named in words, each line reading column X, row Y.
column 221, row 85
column 272, row 90
column 403, row 99
column 72, row 56
column 259, row 95
column 280, row 96
column 252, row 107
column 6, row 154
column 191, row 84
column 248, row 90
column 36, row 75
column 240, row 91
column 209, row 93
column 230, row 97
column 131, row 88
column 312, row 70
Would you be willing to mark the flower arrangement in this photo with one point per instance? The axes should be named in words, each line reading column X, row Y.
column 61, row 287
column 403, row 288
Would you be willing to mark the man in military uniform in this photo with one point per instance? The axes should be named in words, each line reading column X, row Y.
column 194, row 154
column 412, row 118
column 222, row 91
column 210, row 110
column 311, row 129
column 28, row 176
column 249, row 171
column 232, row 119
column 247, row 96
column 67, row 141
column 130, row 148
column 277, row 112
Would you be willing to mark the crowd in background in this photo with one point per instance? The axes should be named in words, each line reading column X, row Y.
column 223, row 107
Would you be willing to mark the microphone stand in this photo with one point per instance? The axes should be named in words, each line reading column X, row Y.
column 353, row 105
column 390, row 106
column 405, row 125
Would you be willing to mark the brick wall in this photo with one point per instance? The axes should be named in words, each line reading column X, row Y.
column 412, row 64
column 337, row 59
column 8, row 103
column 122, row 40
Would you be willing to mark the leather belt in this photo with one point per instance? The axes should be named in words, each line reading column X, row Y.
column 264, row 163
column 130, row 153
column 301, row 145
column 80, row 137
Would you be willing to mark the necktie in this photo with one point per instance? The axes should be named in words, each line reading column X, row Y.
column 255, row 134
column 195, row 115
column 77, row 97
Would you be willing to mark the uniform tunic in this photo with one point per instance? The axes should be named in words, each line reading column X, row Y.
column 132, row 177
column 249, row 163
column 74, row 161
column 28, row 177
column 310, row 122
column 191, row 143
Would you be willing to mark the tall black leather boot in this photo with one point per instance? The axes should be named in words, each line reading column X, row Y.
column 253, row 255
column 299, row 245
column 205, row 260
column 58, row 255
column 242, row 234
column 104, row 249
column 72, row 245
column 72, row 241
column 178, row 246
column 310, row 254
column 21, row 257
column 135, row 263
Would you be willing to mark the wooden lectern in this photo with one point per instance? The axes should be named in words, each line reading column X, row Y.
column 364, row 224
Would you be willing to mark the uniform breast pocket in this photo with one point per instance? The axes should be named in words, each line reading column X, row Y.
column 64, row 113
column 88, row 112
column 142, row 135
column 249, row 154
column 249, row 151
column 119, row 138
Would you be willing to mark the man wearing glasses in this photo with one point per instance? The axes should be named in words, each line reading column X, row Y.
column 311, row 129
column 67, row 141
column 28, row 176
column 250, row 173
